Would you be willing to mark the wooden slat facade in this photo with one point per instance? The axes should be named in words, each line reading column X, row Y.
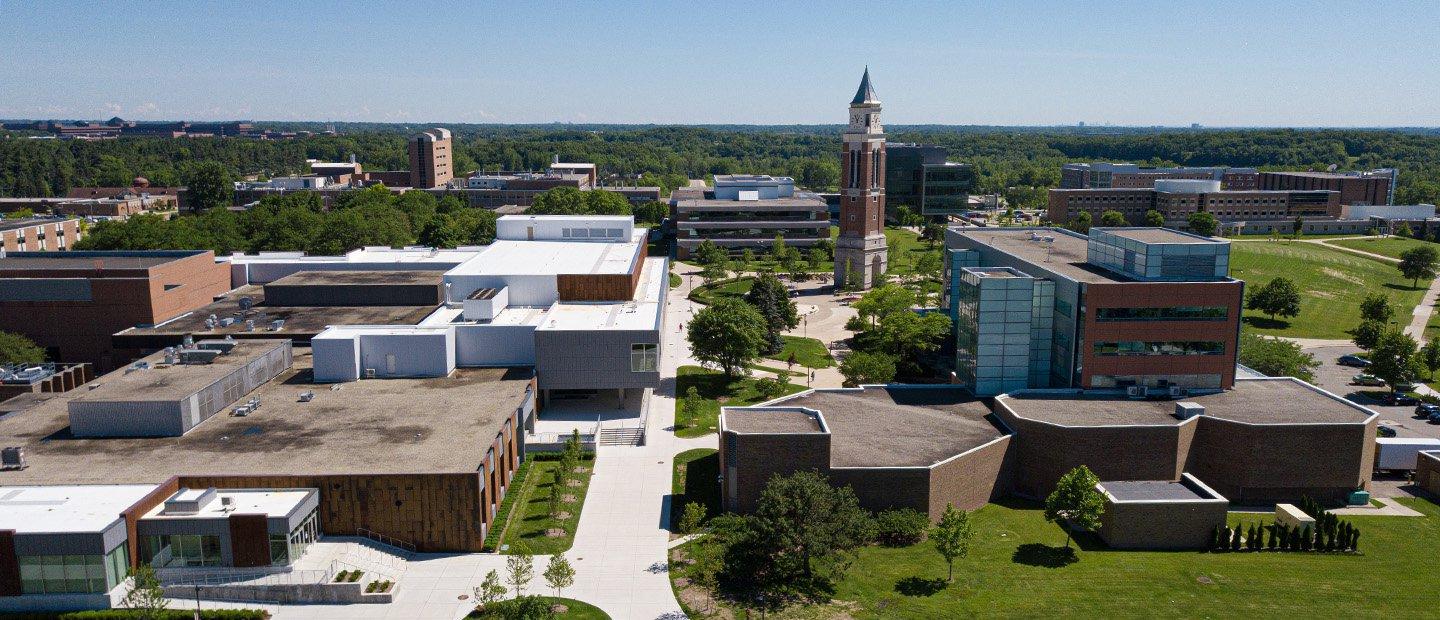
column 602, row 287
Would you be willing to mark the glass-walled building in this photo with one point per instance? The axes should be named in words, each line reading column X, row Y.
column 229, row 527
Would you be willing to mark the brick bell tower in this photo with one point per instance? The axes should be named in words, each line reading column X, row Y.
column 861, row 245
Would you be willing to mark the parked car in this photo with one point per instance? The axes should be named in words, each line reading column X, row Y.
column 1353, row 360
column 1435, row 418
column 1401, row 399
column 1365, row 379
column 1423, row 410
column 1385, row 431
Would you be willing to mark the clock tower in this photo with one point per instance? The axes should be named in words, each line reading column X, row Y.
column 861, row 246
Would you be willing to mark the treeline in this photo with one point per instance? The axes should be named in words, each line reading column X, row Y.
column 298, row 222
column 667, row 155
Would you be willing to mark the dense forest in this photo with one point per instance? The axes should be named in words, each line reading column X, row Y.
column 1017, row 159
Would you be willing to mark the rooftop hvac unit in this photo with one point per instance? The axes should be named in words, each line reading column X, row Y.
column 227, row 504
column 223, row 346
column 1178, row 392
column 227, row 321
column 1187, row 410
column 1135, row 391
column 250, row 325
column 170, row 356
column 12, row 458
column 246, row 303
column 198, row 356
column 276, row 324
column 307, row 396
column 253, row 403
column 369, row 373
column 241, row 411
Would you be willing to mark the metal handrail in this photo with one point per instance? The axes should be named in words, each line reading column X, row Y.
column 388, row 540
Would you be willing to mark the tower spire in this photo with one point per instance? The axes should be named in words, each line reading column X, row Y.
column 866, row 92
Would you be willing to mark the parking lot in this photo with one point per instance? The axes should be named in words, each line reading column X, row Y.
column 1335, row 378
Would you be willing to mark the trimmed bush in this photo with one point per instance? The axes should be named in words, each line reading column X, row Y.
column 900, row 528
column 1235, row 539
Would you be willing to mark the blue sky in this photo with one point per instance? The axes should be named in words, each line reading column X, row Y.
column 1013, row 63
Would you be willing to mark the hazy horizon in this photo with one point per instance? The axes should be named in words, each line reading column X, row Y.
column 1224, row 64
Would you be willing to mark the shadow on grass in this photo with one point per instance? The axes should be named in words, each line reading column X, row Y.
column 1260, row 322
column 1036, row 554
column 1403, row 287
column 915, row 586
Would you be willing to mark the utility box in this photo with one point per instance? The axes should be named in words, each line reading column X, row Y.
column 1289, row 515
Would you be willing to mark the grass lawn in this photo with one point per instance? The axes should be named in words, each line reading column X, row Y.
column 695, row 480
column 910, row 249
column 716, row 389
column 675, row 280
column 735, row 288
column 1331, row 281
column 574, row 610
column 532, row 519
column 809, row 352
column 1012, row 571
column 1387, row 246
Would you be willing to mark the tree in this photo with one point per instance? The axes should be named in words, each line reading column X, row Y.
column 520, row 568
column 932, row 234
column 442, row 231
column 1113, row 219
column 1075, row 501
column 692, row 404
column 1081, row 222
column 883, row 301
column 490, row 590
column 1393, row 359
column 730, row 333
column 908, row 335
column 861, row 368
column 769, row 389
column 951, row 536
column 707, row 253
column 747, row 258
column 557, row 486
column 1278, row 297
column 1202, row 223
column 1276, row 357
column 691, row 518
column 1298, row 228
column 1367, row 333
column 816, row 258
column 209, row 184
column 17, row 349
column 1417, row 263
column 559, row 574
column 778, row 249
column 770, row 297
column 651, row 213
column 1154, row 218
column 1430, row 356
column 808, row 526
column 146, row 597
column 1376, row 307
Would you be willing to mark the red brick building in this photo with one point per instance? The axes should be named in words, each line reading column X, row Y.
column 38, row 235
column 1374, row 187
column 72, row 303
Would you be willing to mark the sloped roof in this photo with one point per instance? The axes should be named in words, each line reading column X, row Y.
column 866, row 92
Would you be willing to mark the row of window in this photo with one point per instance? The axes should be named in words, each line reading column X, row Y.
column 73, row 574
column 592, row 233
column 1173, row 347
column 1176, row 313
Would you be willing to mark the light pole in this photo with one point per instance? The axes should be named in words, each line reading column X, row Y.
column 197, row 601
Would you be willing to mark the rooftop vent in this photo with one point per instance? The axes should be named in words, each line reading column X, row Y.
column 1187, row 410
column 199, row 356
column 12, row 458
column 189, row 501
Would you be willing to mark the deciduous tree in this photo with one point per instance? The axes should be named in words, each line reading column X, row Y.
column 1393, row 359
column 951, row 536
column 1113, row 219
column 861, row 368
column 729, row 334
column 559, row 574
column 1276, row 357
column 1376, row 307
column 1075, row 502
column 1278, row 297
column 1418, row 263
column 17, row 349
column 1202, row 223
column 1154, row 218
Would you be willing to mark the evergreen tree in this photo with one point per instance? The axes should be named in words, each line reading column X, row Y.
column 1235, row 539
column 1270, row 542
column 1307, row 539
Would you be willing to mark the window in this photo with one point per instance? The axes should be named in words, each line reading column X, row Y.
column 644, row 357
column 1136, row 347
column 182, row 550
column 62, row 574
column 1177, row 313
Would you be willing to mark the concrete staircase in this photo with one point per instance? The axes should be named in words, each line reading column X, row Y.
column 622, row 436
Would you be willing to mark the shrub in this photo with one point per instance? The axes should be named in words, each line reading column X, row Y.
column 900, row 528
column 1274, row 533
column 1235, row 539
column 1307, row 539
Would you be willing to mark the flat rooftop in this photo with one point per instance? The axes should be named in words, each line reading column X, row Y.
column 641, row 313
column 549, row 258
column 1251, row 401
column 899, row 426
column 300, row 321
column 66, row 509
column 1159, row 235
column 371, row 254
column 767, row 420
column 90, row 261
column 366, row 278
column 1153, row 490
column 163, row 382
column 1067, row 255
column 376, row 426
column 12, row 224
column 272, row 502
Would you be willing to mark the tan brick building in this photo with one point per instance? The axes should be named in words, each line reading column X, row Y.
column 71, row 303
column 430, row 158
column 38, row 234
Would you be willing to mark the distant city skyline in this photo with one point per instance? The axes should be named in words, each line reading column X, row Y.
column 1218, row 64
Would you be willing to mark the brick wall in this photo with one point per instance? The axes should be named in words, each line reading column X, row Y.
column 1263, row 463
column 1427, row 472
column 1160, row 525
column 759, row 457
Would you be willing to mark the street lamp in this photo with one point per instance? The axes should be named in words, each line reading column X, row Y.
column 197, row 601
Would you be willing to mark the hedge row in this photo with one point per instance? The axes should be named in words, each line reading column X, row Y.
column 131, row 614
